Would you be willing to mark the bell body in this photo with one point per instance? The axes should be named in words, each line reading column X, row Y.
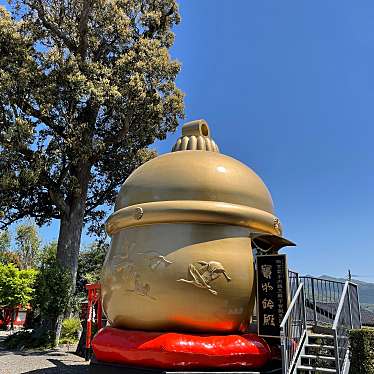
column 181, row 256
column 181, row 276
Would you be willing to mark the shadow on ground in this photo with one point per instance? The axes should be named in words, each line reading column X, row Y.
column 61, row 368
column 5, row 352
column 64, row 362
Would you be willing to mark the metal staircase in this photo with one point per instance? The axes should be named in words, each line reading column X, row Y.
column 319, row 354
column 314, row 331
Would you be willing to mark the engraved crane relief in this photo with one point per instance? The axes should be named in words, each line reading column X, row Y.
column 155, row 259
column 123, row 272
column 141, row 288
column 201, row 274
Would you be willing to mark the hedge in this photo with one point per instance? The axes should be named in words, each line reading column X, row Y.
column 38, row 338
column 362, row 351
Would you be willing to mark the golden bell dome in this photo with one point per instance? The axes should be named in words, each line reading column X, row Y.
column 195, row 186
column 180, row 256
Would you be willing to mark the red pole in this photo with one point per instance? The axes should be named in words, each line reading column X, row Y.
column 93, row 299
column 89, row 325
column 99, row 311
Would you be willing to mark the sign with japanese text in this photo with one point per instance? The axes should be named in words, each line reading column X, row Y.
column 272, row 293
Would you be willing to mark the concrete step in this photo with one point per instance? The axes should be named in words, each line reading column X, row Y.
column 302, row 369
column 317, row 357
column 324, row 347
column 320, row 336
column 321, row 361
column 320, row 346
column 330, row 336
column 322, row 329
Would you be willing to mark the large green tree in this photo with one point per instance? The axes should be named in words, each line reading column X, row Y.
column 28, row 245
column 52, row 291
column 27, row 252
column 85, row 87
column 90, row 263
column 4, row 241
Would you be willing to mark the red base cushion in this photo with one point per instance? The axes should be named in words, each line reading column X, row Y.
column 175, row 350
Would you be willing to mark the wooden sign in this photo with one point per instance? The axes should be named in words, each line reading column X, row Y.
column 272, row 294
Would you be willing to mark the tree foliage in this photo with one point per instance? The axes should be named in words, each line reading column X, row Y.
column 27, row 251
column 52, row 289
column 28, row 245
column 16, row 286
column 90, row 263
column 4, row 241
column 84, row 87
column 48, row 252
column 10, row 257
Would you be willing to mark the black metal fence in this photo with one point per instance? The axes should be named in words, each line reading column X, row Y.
column 293, row 281
column 322, row 298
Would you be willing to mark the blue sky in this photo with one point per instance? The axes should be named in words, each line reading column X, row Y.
column 287, row 87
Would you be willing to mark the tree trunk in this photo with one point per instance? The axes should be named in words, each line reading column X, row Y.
column 12, row 314
column 68, row 245
column 69, row 238
column 58, row 328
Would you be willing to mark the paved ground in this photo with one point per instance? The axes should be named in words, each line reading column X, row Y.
column 58, row 361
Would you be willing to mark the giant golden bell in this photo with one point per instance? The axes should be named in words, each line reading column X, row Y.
column 181, row 256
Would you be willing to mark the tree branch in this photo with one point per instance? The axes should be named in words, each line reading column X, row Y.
column 58, row 199
column 17, row 217
column 38, row 6
column 53, row 188
column 28, row 109
column 116, row 137
column 95, row 200
column 83, row 28
column 22, row 213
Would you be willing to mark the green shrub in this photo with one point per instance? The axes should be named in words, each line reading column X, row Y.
column 70, row 331
column 362, row 351
column 38, row 338
column 52, row 291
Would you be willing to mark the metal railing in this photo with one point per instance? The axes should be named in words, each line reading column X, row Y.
column 322, row 298
column 347, row 317
column 293, row 331
column 319, row 302
column 355, row 306
column 293, row 282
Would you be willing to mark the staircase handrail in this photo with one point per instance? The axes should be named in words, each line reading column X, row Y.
column 293, row 331
column 319, row 291
column 345, row 320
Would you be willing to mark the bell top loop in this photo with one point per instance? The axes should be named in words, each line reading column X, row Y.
column 195, row 137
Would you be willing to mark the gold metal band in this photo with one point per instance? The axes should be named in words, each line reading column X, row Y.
column 193, row 211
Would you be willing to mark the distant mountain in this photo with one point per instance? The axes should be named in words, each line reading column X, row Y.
column 365, row 289
column 369, row 307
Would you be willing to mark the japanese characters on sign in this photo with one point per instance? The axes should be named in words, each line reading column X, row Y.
column 272, row 293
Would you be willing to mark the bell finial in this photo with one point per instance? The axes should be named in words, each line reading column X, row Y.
column 196, row 128
column 195, row 137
